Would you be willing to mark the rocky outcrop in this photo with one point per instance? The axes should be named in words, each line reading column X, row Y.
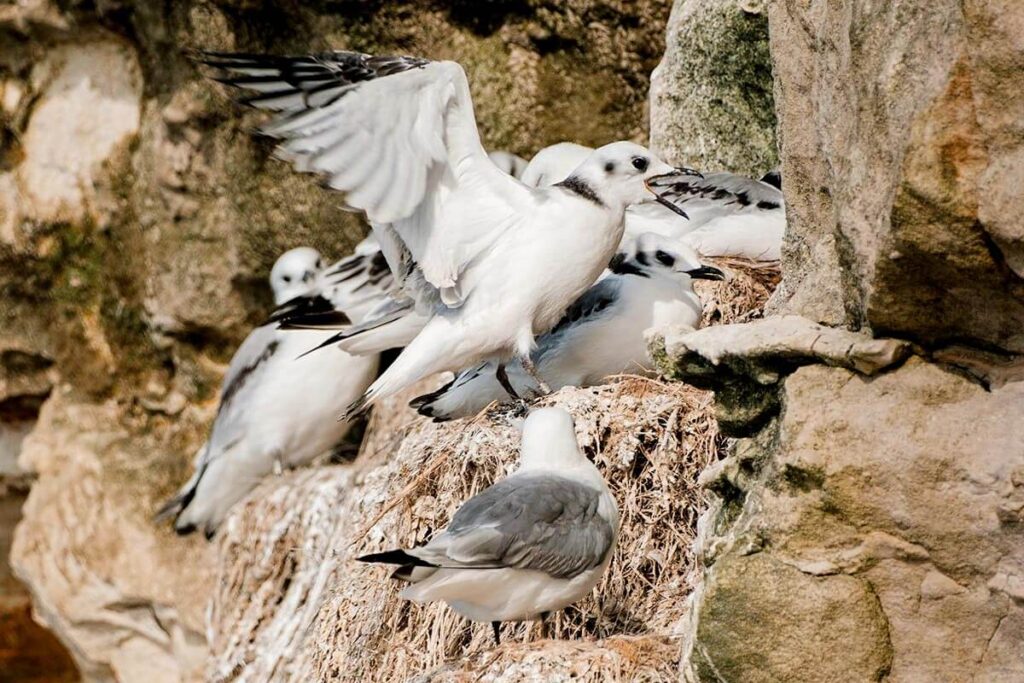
column 902, row 143
column 867, row 526
column 876, row 520
column 711, row 95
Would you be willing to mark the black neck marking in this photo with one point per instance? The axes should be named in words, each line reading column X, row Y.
column 578, row 186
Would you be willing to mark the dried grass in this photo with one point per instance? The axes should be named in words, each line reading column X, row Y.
column 649, row 438
column 742, row 295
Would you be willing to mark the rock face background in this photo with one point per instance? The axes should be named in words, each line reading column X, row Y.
column 868, row 527
column 865, row 524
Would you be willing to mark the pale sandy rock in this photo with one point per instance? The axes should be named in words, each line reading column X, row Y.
column 901, row 140
column 126, row 599
column 787, row 340
column 892, row 508
column 711, row 95
column 88, row 109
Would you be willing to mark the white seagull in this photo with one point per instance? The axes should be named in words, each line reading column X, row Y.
column 603, row 333
column 274, row 410
column 529, row 545
column 728, row 214
column 490, row 261
column 510, row 163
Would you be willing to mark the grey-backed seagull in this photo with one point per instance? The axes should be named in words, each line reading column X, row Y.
column 531, row 544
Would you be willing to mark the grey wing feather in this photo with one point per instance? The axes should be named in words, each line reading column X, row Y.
column 546, row 523
column 591, row 305
column 248, row 363
column 725, row 188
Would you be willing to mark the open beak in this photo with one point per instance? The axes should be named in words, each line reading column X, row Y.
column 672, row 174
column 706, row 273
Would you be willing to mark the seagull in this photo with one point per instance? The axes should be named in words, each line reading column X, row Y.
column 603, row 333
column 491, row 262
column 732, row 215
column 347, row 291
column 554, row 163
column 274, row 410
column 510, row 163
column 529, row 545
column 728, row 214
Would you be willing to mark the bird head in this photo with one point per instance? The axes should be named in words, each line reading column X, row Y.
column 295, row 273
column 654, row 255
column 549, row 441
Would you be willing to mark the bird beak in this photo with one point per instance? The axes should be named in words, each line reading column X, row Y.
column 706, row 273
column 674, row 173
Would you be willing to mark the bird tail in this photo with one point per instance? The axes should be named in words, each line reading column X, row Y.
column 410, row 568
column 421, row 358
column 394, row 329
column 174, row 507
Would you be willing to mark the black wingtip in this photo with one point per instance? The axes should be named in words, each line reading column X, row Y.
column 399, row 557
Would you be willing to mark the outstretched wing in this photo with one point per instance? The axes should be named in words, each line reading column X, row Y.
column 398, row 137
column 543, row 522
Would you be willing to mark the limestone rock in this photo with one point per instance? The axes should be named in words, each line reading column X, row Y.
column 744, row 363
column 88, row 109
column 711, row 95
column 877, row 520
column 127, row 601
column 901, row 142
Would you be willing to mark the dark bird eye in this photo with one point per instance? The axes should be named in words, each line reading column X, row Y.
column 609, row 167
column 640, row 163
column 665, row 258
column 286, row 278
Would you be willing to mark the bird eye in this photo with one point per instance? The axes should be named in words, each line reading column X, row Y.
column 665, row 258
column 609, row 167
column 319, row 263
column 640, row 163
column 286, row 278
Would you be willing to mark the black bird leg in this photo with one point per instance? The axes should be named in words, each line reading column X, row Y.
column 503, row 380
column 496, row 627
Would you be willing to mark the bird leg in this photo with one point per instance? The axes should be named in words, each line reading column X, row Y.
column 531, row 370
column 544, row 631
column 278, row 465
column 503, row 380
column 496, row 627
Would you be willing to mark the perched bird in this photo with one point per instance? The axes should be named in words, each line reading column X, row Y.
column 341, row 294
column 274, row 411
column 490, row 261
column 728, row 214
column 529, row 545
column 510, row 163
column 602, row 334
column 732, row 215
column 554, row 163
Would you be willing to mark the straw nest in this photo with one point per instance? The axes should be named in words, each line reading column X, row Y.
column 292, row 604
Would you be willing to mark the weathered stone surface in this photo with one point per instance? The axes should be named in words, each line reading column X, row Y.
column 878, row 521
column 711, row 95
column 901, row 137
column 744, row 363
column 127, row 599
